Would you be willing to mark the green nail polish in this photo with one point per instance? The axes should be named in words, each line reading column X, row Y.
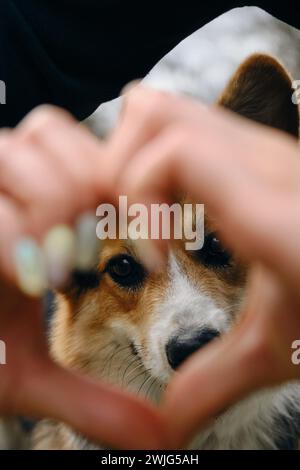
column 59, row 250
column 30, row 267
column 87, row 242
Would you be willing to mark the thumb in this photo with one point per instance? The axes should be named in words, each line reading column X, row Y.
column 98, row 411
column 226, row 370
column 209, row 383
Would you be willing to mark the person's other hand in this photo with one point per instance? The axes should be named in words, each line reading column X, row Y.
column 49, row 174
column 249, row 178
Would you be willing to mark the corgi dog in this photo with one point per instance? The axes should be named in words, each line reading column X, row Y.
column 134, row 328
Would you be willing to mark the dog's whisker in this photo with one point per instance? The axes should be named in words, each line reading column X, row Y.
column 116, row 351
column 135, row 377
column 139, row 366
column 148, row 392
column 108, row 357
column 128, row 368
column 121, row 366
column 114, row 360
column 124, row 360
column 145, row 382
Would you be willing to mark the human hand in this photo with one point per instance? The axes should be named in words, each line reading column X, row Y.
column 249, row 177
column 49, row 174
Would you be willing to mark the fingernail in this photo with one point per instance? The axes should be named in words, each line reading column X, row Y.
column 149, row 255
column 59, row 247
column 146, row 250
column 30, row 267
column 87, row 243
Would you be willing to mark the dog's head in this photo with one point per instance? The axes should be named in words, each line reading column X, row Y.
column 127, row 324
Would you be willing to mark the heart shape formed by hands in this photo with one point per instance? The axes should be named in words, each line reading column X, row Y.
column 31, row 384
column 256, row 353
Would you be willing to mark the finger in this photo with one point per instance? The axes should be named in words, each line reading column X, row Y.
column 11, row 220
column 130, row 86
column 145, row 113
column 25, row 173
column 171, row 163
column 39, row 118
column 46, row 197
column 213, row 172
column 32, row 385
column 99, row 412
column 32, row 204
column 211, row 385
column 252, row 356
column 71, row 149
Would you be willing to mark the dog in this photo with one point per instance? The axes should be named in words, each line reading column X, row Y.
column 134, row 328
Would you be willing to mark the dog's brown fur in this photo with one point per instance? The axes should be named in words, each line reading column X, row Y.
column 261, row 90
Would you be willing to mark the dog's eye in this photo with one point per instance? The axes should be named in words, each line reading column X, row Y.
column 213, row 254
column 126, row 271
column 216, row 247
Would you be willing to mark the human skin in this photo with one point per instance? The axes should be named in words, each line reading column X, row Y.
column 217, row 157
column 49, row 174
column 249, row 178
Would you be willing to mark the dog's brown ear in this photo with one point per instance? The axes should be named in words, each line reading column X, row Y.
column 261, row 90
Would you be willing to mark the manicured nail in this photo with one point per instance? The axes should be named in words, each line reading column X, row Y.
column 59, row 248
column 149, row 255
column 30, row 267
column 87, row 243
column 146, row 250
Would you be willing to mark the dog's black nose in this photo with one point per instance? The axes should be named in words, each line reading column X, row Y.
column 180, row 347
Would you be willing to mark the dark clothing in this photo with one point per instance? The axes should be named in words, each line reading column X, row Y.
column 79, row 53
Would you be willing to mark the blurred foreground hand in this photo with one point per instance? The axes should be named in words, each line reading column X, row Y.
column 248, row 176
column 49, row 174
